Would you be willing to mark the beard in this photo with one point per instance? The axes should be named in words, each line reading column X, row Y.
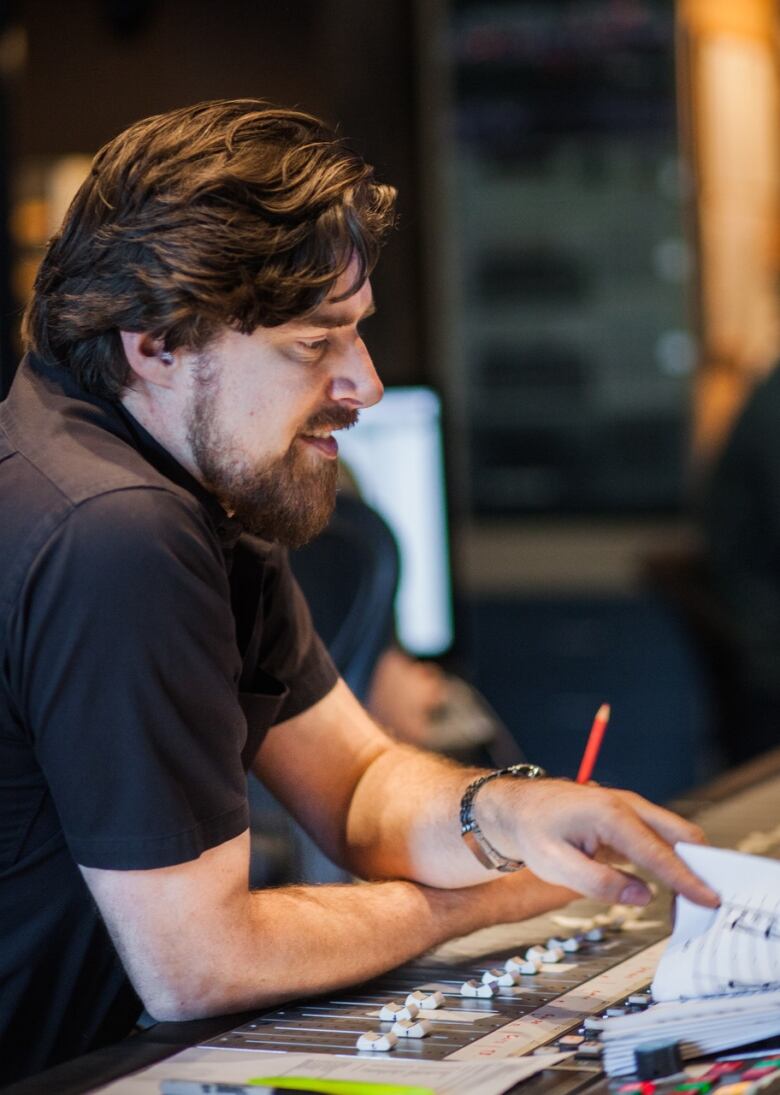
column 289, row 499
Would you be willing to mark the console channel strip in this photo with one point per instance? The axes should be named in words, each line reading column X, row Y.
column 502, row 1001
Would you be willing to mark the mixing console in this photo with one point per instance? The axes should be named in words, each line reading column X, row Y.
column 537, row 1012
column 539, row 1009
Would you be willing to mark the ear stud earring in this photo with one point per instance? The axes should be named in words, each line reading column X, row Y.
column 166, row 357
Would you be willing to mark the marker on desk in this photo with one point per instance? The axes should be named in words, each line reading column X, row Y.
column 338, row 1087
column 595, row 739
column 278, row 1085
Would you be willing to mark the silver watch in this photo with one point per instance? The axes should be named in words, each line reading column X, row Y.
column 473, row 836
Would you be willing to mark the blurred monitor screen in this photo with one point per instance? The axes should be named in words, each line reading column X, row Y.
column 396, row 455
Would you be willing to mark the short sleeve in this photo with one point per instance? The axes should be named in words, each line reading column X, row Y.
column 127, row 678
column 289, row 650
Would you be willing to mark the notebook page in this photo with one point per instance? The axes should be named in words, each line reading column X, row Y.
column 733, row 949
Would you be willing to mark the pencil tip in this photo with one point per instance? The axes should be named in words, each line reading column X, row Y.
column 604, row 711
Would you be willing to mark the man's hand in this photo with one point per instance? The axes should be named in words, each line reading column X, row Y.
column 558, row 828
column 391, row 811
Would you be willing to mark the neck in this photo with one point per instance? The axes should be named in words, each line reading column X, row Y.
column 166, row 427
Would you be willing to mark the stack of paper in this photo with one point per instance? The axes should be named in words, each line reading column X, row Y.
column 719, row 979
column 701, row 1026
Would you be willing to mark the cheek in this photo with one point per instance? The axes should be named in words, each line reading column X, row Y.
column 270, row 429
column 267, row 418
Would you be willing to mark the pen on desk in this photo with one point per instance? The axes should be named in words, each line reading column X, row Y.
column 595, row 738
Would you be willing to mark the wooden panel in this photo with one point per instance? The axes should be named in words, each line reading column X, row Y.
column 730, row 124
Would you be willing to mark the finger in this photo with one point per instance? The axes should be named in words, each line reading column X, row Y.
column 607, row 854
column 564, row 864
column 670, row 826
column 640, row 843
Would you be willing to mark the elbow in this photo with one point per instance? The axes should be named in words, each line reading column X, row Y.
column 178, row 1007
column 202, row 991
column 180, row 995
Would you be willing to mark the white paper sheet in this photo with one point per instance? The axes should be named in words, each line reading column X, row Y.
column 733, row 949
column 238, row 1066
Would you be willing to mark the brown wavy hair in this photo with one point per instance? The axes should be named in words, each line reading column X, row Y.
column 228, row 213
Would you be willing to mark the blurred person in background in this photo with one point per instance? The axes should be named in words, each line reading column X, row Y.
column 739, row 509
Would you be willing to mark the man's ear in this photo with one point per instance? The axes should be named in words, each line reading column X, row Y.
column 148, row 358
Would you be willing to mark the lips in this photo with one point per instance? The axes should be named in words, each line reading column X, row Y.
column 328, row 446
column 321, row 425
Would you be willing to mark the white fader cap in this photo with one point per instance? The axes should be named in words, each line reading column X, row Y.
column 376, row 1042
column 392, row 1011
column 554, row 954
column 426, row 1000
column 503, row 978
column 408, row 1028
column 479, row 989
column 518, row 964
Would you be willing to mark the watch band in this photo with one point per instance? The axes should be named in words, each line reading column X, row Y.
column 473, row 837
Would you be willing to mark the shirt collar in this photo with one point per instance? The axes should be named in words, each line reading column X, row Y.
column 228, row 528
column 115, row 417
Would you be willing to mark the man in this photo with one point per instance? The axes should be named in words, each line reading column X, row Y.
column 194, row 343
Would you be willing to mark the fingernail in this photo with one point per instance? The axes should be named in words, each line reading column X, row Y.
column 635, row 893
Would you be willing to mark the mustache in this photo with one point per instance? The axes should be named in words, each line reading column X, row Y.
column 337, row 418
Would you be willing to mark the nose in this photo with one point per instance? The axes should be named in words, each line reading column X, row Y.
column 355, row 382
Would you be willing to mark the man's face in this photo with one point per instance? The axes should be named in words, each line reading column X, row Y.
column 263, row 407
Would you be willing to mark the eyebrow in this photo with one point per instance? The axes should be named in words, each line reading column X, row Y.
column 336, row 320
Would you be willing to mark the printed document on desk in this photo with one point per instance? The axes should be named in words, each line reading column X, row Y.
column 238, row 1066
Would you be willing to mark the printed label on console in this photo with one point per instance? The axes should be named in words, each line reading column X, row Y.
column 550, row 1021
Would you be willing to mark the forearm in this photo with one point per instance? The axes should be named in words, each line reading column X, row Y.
column 306, row 940
column 404, row 821
column 381, row 809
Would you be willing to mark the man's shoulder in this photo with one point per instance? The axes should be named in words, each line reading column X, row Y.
column 57, row 479
column 76, row 460
column 93, row 498
column 68, row 450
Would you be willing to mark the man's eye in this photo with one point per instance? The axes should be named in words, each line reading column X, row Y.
column 315, row 346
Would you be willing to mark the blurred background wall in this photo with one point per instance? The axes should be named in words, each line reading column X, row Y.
column 78, row 73
column 585, row 267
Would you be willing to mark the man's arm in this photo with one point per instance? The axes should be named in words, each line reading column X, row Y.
column 196, row 942
column 387, row 811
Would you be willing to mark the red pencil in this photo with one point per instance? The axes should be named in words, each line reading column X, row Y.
column 595, row 738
